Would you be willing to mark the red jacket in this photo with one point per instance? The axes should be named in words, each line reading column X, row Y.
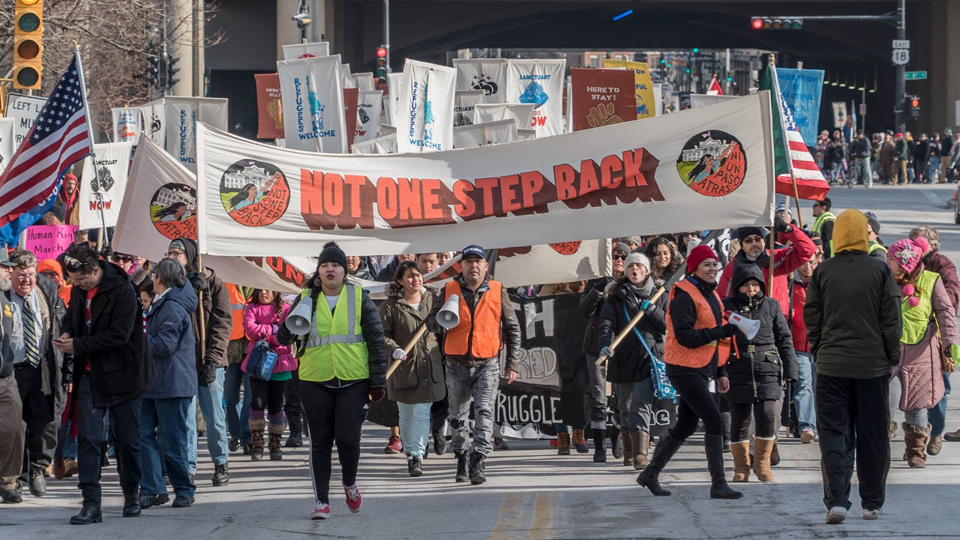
column 785, row 261
column 795, row 316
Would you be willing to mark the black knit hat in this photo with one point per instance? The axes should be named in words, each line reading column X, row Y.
column 189, row 249
column 332, row 253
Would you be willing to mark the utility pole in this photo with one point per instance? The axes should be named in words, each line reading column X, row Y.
column 901, row 69
column 386, row 32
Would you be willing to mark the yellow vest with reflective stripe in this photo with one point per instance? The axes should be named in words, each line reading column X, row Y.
column 818, row 224
column 335, row 346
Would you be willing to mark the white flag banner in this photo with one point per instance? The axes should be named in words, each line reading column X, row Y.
column 365, row 82
column 348, row 80
column 386, row 144
column 472, row 136
column 463, row 107
column 103, row 186
column 369, row 105
column 523, row 114
column 306, row 50
column 699, row 169
column 7, row 144
column 152, row 122
column 658, row 99
column 426, row 108
column 488, row 75
column 312, row 95
column 181, row 115
column 126, row 124
column 392, row 103
column 160, row 204
column 540, row 83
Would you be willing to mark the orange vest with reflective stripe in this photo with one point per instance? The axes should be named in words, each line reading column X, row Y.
column 678, row 355
column 237, row 303
column 477, row 334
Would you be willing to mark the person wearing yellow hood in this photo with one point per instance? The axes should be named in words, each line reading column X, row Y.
column 853, row 324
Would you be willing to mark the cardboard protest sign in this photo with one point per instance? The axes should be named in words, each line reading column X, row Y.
column 269, row 106
column 48, row 241
column 699, row 169
column 602, row 97
column 646, row 102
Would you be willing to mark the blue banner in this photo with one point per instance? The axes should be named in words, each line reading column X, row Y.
column 801, row 90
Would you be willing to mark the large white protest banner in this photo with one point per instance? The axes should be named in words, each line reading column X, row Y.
column 522, row 113
column 464, row 103
column 365, row 82
column 160, row 204
column 102, row 187
column 181, row 115
column 474, row 135
column 7, row 146
column 368, row 115
column 699, row 169
column 313, row 113
column 152, row 122
column 538, row 82
column 126, row 124
column 306, row 50
column 488, row 75
column 426, row 108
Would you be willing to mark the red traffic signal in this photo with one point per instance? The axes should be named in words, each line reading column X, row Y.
column 915, row 102
column 757, row 23
column 382, row 52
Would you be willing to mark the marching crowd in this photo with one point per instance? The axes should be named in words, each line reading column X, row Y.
column 826, row 330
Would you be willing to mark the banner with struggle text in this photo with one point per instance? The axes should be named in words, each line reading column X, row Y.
column 699, row 169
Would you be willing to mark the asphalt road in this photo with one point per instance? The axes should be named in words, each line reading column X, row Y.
column 532, row 493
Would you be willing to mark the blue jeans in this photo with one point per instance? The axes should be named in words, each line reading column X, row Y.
column 414, row 427
column 937, row 416
column 862, row 172
column 66, row 445
column 210, row 399
column 238, row 414
column 480, row 384
column 163, row 422
column 933, row 169
column 803, row 391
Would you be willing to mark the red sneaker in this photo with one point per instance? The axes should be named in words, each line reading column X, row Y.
column 394, row 446
column 354, row 500
column 321, row 512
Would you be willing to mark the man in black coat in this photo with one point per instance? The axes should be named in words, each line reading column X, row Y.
column 104, row 331
column 42, row 378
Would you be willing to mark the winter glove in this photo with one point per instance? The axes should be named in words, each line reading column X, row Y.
column 399, row 354
column 781, row 226
column 729, row 330
column 274, row 329
column 208, row 373
column 607, row 352
column 645, row 305
column 199, row 282
column 377, row 394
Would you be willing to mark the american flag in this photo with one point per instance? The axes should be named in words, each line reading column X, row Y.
column 59, row 138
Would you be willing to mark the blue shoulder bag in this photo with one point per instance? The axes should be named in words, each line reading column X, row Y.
column 261, row 361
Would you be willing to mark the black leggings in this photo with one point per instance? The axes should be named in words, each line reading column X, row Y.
column 267, row 395
column 334, row 414
column 764, row 414
column 696, row 403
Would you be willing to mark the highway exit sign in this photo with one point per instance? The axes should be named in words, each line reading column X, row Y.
column 915, row 75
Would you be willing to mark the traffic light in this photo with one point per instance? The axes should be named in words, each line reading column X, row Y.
column 775, row 23
column 913, row 103
column 382, row 65
column 170, row 62
column 28, row 44
column 153, row 70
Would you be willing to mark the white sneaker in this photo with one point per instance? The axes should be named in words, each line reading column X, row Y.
column 321, row 512
column 871, row 514
column 836, row 515
column 807, row 436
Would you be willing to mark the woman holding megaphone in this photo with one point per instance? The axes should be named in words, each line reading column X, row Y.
column 342, row 368
column 761, row 361
column 416, row 380
column 696, row 348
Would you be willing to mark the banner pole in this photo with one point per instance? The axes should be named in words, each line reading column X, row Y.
column 406, row 350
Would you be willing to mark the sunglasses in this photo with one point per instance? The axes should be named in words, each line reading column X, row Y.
column 816, row 205
column 619, row 257
column 752, row 240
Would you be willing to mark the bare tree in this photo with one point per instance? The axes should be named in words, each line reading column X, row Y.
column 115, row 37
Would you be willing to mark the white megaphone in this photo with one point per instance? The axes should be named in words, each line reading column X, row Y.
column 298, row 321
column 449, row 315
column 749, row 327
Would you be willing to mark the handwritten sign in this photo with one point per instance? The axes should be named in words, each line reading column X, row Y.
column 23, row 109
column 49, row 241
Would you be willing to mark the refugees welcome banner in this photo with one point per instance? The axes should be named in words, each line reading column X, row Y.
column 426, row 108
column 700, row 169
column 313, row 107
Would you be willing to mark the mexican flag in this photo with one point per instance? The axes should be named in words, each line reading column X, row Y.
column 790, row 152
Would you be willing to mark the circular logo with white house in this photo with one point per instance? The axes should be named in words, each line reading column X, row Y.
column 254, row 193
column 173, row 211
column 712, row 163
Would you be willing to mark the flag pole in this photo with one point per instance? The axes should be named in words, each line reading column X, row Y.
column 105, row 234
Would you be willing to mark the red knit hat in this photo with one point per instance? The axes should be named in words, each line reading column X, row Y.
column 698, row 255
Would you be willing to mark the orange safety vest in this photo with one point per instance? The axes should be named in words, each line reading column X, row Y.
column 237, row 303
column 477, row 334
column 678, row 355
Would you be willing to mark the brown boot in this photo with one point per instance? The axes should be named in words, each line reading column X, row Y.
column 741, row 461
column 579, row 441
column 563, row 444
column 59, row 468
column 762, row 451
column 893, row 429
column 641, row 450
column 71, row 468
column 276, row 435
column 256, row 438
column 775, row 453
column 627, row 447
column 916, row 438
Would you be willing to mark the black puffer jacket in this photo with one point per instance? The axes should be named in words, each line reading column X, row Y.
column 758, row 367
column 631, row 362
column 591, row 303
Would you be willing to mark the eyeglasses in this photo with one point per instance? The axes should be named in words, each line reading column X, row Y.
column 752, row 240
column 173, row 254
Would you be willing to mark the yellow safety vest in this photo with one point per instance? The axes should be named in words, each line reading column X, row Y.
column 335, row 347
column 824, row 217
